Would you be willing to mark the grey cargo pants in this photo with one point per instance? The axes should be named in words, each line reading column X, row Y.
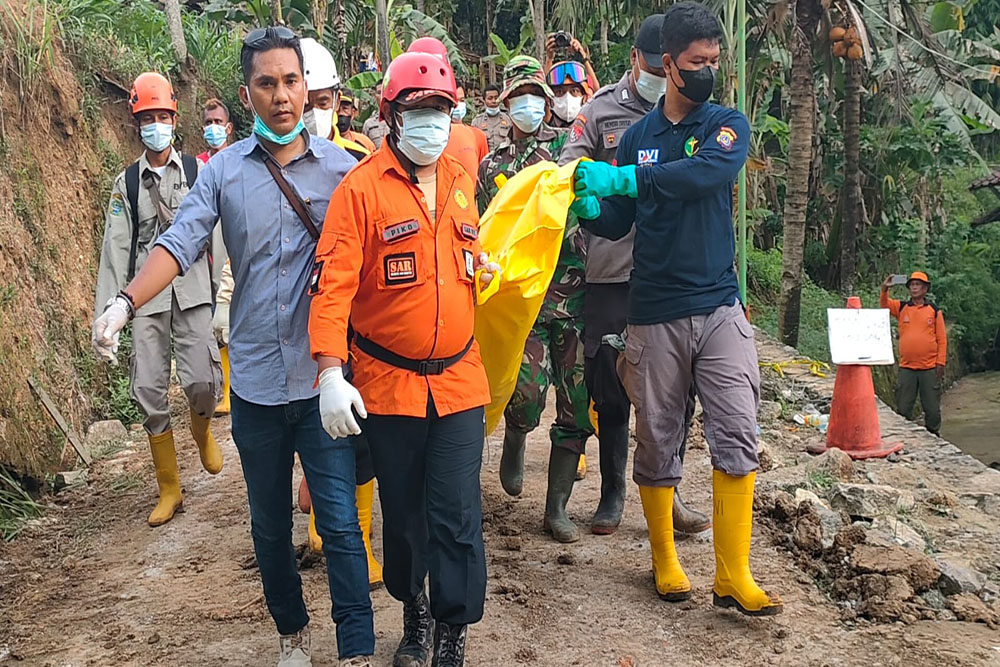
column 716, row 351
column 199, row 368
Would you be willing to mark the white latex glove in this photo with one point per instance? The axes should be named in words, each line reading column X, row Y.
column 220, row 323
column 336, row 398
column 489, row 269
column 106, row 329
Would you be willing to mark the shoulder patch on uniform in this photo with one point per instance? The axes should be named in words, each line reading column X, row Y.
column 317, row 273
column 401, row 230
column 461, row 199
column 726, row 138
column 117, row 204
column 576, row 131
column 400, row 268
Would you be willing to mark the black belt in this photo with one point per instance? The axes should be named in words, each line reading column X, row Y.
column 418, row 366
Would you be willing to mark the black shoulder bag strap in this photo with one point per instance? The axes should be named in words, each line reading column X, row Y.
column 297, row 204
column 132, row 192
column 190, row 169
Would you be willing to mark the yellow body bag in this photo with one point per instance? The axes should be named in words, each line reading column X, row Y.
column 522, row 230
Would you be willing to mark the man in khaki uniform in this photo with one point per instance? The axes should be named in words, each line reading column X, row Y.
column 160, row 179
column 375, row 128
column 494, row 122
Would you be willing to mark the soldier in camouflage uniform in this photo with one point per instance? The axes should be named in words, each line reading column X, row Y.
column 553, row 353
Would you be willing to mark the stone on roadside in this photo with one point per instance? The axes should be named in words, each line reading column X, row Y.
column 835, row 463
column 99, row 434
column 897, row 532
column 922, row 572
column 958, row 575
column 816, row 525
column 802, row 495
column 869, row 500
column 766, row 457
column 769, row 411
column 70, row 478
column 967, row 607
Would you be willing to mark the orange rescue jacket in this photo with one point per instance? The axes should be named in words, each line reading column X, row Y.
column 923, row 341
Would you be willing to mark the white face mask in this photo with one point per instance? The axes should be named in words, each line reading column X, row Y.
column 492, row 111
column 319, row 122
column 650, row 87
column 424, row 135
column 527, row 112
column 567, row 107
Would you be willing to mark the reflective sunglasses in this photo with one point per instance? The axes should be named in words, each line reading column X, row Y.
column 258, row 35
column 569, row 69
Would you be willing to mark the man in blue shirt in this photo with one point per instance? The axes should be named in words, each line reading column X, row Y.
column 674, row 183
column 275, row 405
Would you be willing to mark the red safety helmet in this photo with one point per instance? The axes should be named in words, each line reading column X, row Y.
column 412, row 76
column 151, row 91
column 430, row 45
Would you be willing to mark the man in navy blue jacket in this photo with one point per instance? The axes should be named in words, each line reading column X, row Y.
column 674, row 182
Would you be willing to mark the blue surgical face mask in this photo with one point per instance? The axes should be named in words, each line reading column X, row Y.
column 215, row 135
column 157, row 137
column 424, row 135
column 492, row 111
column 261, row 129
column 458, row 112
column 527, row 112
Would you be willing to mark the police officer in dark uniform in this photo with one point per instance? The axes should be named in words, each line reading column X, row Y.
column 595, row 134
column 677, row 167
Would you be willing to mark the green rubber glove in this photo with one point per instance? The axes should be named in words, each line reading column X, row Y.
column 600, row 179
column 586, row 208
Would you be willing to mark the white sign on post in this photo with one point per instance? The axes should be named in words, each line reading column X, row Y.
column 860, row 336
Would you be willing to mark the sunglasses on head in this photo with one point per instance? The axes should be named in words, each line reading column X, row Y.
column 258, row 35
column 573, row 71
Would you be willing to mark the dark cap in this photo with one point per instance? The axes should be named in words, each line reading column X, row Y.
column 648, row 39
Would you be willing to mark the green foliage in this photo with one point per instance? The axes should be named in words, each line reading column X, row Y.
column 26, row 43
column 16, row 506
column 505, row 54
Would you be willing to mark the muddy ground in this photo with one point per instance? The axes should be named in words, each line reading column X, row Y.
column 91, row 584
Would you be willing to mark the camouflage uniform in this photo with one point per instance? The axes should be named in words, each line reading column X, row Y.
column 553, row 353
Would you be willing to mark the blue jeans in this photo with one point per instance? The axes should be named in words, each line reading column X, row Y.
column 267, row 437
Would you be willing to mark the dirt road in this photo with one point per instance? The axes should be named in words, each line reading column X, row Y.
column 91, row 584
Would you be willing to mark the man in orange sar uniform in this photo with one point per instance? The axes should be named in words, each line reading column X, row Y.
column 398, row 259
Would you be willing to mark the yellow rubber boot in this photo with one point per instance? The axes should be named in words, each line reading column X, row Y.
column 672, row 584
column 364, row 497
column 211, row 455
column 581, row 468
column 223, row 408
column 165, row 460
column 732, row 521
column 315, row 541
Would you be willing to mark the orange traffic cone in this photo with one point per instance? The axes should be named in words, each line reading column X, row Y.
column 853, row 425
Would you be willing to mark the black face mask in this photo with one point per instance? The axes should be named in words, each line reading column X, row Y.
column 698, row 83
column 343, row 123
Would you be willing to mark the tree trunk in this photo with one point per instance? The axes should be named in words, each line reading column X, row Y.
column 276, row 17
column 802, row 114
column 852, row 215
column 319, row 10
column 422, row 6
column 382, row 33
column 490, row 47
column 537, row 9
column 172, row 9
column 340, row 30
column 604, row 33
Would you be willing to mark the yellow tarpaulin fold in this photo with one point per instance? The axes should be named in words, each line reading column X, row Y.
column 522, row 230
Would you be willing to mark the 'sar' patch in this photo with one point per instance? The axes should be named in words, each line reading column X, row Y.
column 401, row 230
column 469, row 231
column 400, row 268
column 314, row 277
column 117, row 204
column 726, row 138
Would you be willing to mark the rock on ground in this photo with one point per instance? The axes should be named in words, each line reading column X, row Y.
column 835, row 463
column 99, row 434
column 958, row 576
column 895, row 531
column 918, row 569
column 870, row 500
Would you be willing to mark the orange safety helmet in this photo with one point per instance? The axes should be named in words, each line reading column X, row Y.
column 151, row 91
column 918, row 275
column 430, row 45
column 412, row 76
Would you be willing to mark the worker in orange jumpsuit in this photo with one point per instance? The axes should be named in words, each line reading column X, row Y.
column 466, row 144
column 923, row 349
column 398, row 260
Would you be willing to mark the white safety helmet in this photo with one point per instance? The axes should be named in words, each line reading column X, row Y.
column 317, row 62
